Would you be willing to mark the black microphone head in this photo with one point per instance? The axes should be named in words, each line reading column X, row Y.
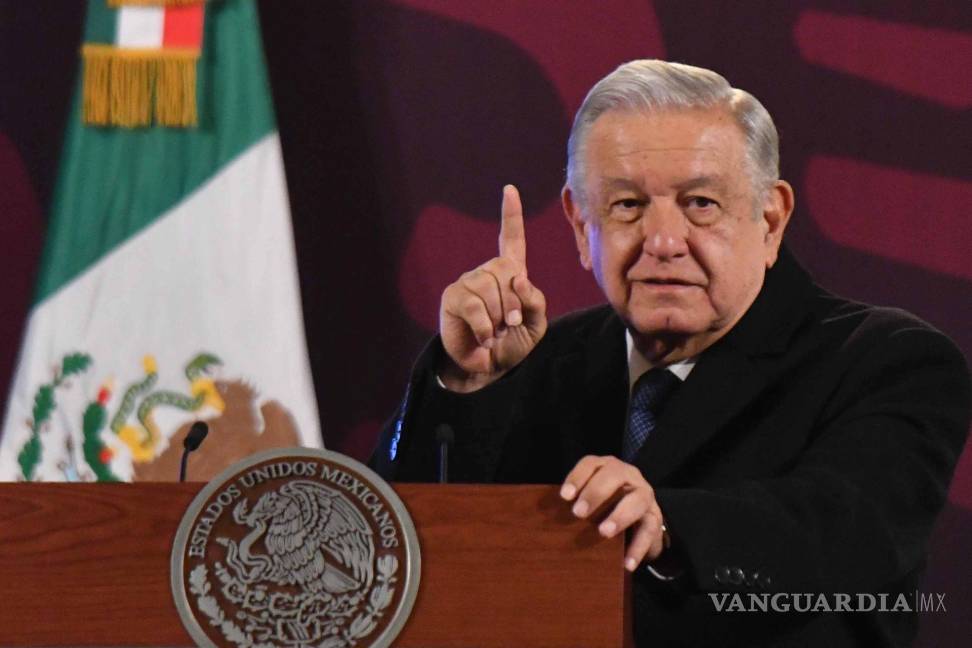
column 195, row 436
column 444, row 434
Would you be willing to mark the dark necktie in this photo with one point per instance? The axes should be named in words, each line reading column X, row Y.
column 649, row 393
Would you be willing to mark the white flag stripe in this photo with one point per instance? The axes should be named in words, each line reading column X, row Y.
column 217, row 273
column 140, row 27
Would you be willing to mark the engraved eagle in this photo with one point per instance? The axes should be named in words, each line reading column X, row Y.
column 314, row 538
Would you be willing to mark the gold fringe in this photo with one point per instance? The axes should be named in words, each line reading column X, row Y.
column 175, row 92
column 122, row 86
column 121, row 3
column 95, row 104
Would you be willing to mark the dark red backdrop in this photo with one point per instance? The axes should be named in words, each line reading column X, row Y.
column 400, row 122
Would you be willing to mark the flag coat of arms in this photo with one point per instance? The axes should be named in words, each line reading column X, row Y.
column 167, row 291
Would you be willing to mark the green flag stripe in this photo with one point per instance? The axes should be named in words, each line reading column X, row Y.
column 100, row 25
column 114, row 182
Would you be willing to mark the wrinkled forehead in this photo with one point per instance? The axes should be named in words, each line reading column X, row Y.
column 674, row 145
column 717, row 181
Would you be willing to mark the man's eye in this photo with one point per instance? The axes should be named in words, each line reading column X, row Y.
column 701, row 210
column 626, row 210
column 702, row 202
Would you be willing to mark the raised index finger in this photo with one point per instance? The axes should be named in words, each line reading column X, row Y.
column 512, row 238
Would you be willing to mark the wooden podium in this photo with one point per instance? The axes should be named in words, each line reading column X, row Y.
column 504, row 566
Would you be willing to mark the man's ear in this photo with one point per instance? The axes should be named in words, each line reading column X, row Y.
column 572, row 211
column 777, row 207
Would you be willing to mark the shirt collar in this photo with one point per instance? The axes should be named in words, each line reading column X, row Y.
column 639, row 364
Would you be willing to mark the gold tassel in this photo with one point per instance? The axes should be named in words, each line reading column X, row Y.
column 95, row 98
column 127, row 87
column 114, row 4
column 131, row 92
column 175, row 91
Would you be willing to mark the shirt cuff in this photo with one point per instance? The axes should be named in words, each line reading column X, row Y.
column 662, row 576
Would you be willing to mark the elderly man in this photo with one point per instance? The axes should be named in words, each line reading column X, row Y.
column 748, row 430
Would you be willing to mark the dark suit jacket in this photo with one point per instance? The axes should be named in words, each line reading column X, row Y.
column 809, row 450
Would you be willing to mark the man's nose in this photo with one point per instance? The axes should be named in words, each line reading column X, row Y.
column 665, row 230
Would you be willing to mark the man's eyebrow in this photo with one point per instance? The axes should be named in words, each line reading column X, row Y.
column 620, row 183
column 715, row 181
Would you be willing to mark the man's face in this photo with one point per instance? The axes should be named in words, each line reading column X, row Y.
column 671, row 226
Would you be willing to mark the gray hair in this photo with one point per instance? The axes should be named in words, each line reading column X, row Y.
column 652, row 85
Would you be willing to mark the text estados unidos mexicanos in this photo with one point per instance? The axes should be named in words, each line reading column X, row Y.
column 387, row 528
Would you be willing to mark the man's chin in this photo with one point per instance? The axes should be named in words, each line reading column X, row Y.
column 665, row 325
column 666, row 335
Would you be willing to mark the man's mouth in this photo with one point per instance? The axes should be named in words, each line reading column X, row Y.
column 668, row 281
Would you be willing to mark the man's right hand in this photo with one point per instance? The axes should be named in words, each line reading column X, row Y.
column 492, row 317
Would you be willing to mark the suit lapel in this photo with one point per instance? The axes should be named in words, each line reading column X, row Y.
column 606, row 390
column 593, row 403
column 721, row 384
column 730, row 374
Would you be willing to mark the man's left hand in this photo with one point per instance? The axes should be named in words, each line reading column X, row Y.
column 597, row 483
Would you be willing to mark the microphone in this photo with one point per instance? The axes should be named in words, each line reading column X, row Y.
column 444, row 436
column 193, row 440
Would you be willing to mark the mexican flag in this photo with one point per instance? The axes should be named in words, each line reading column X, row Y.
column 167, row 291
